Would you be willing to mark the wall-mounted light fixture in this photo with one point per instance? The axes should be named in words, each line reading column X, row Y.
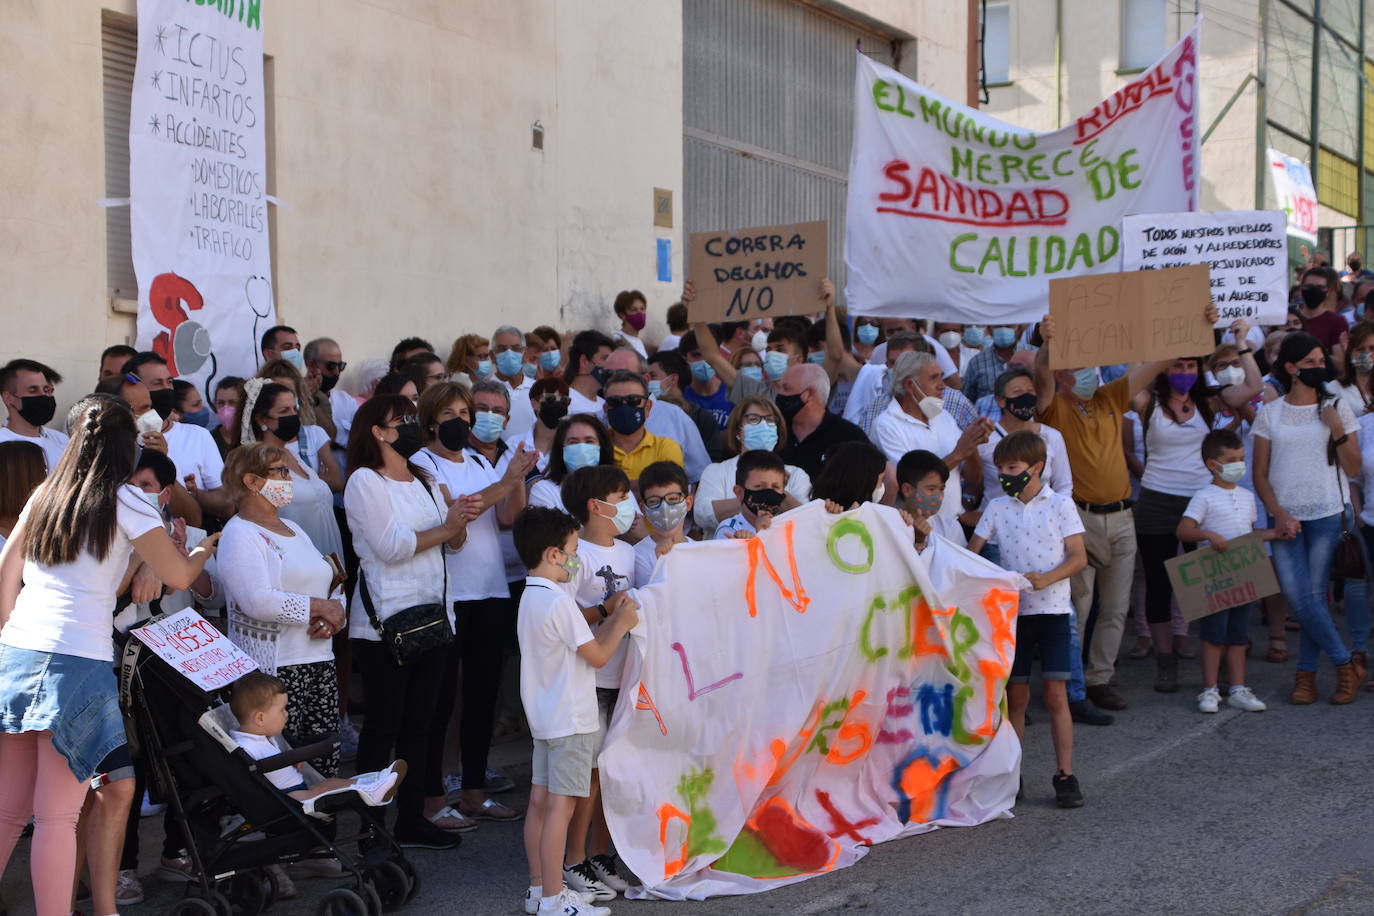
column 537, row 136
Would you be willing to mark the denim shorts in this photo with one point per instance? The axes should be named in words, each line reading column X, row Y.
column 1230, row 627
column 77, row 699
column 1048, row 636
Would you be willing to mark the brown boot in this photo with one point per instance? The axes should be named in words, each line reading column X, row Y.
column 1305, row 689
column 1347, row 684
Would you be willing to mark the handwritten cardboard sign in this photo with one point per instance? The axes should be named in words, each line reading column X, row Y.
column 760, row 272
column 1209, row 580
column 191, row 644
column 1246, row 250
column 1134, row 317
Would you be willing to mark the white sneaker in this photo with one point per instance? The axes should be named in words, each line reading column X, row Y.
column 453, row 784
column 532, row 900
column 1242, row 698
column 583, row 878
column 571, row 903
column 1209, row 700
column 379, row 791
column 605, row 869
column 128, row 890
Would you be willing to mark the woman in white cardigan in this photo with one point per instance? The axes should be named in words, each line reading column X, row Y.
column 279, row 590
column 755, row 423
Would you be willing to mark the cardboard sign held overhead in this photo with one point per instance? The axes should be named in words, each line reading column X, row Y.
column 1135, row 317
column 1209, row 580
column 760, row 272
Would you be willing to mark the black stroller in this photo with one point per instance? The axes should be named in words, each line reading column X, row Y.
column 234, row 820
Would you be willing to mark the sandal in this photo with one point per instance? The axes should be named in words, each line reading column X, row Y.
column 493, row 810
column 447, row 813
column 1278, row 650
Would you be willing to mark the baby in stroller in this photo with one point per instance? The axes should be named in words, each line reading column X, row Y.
column 258, row 702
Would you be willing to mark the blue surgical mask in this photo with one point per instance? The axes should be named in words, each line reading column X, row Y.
column 754, row 373
column 760, row 436
column 624, row 514
column 508, row 362
column 817, row 358
column 580, row 455
column 774, row 364
column 655, row 387
column 549, row 360
column 487, row 427
column 529, row 369
column 1085, row 382
column 202, row 417
column 1003, row 337
column 973, row 338
column 296, row 358
column 703, row 371
column 483, row 368
column 867, row 334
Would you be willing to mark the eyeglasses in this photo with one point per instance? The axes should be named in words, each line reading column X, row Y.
column 279, row 471
column 555, row 399
column 406, row 420
column 753, row 419
column 628, row 400
column 672, row 499
column 436, row 377
column 332, row 367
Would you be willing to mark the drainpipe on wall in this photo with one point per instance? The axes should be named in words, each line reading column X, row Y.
column 1261, row 111
column 1058, row 63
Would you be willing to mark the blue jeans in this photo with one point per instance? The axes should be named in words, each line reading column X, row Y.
column 1359, row 617
column 1303, row 566
column 1077, row 687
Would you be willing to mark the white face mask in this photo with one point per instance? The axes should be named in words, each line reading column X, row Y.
column 1232, row 471
column 929, row 406
column 148, row 422
column 879, row 492
column 278, row 492
column 950, row 339
column 1231, row 375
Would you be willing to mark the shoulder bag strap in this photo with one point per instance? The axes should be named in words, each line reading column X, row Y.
column 367, row 597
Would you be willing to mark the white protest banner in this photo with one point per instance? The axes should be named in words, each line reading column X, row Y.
column 813, row 691
column 1297, row 196
column 1247, row 251
column 956, row 216
column 191, row 644
column 198, row 187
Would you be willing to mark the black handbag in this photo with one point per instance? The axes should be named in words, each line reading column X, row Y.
column 1348, row 561
column 412, row 632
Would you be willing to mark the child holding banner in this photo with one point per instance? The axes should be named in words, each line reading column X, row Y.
column 1040, row 536
column 1217, row 513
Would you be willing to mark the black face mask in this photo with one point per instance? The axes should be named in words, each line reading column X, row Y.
column 37, row 409
column 1022, row 407
column 600, row 374
column 164, row 401
column 288, row 428
column 625, row 420
column 327, row 382
column 551, row 413
column 1356, row 265
column 1313, row 296
column 409, row 439
column 1313, row 377
column 789, row 404
column 1013, row 485
column 453, row 433
column 764, row 501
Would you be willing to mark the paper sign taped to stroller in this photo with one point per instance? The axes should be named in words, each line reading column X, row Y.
column 193, row 646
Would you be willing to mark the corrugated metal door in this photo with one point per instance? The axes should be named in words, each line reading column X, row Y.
column 768, row 113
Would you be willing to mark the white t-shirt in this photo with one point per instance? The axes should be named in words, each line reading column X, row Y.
column 69, row 609
column 626, row 340
column 605, row 571
column 879, row 357
column 548, row 494
column 733, row 525
column 557, row 686
column 897, row 432
column 342, row 406
column 1230, row 513
column 384, row 516
column 477, row 570
column 1056, row 474
column 1304, row 484
column 949, row 528
column 193, row 450
column 269, row 579
column 1173, row 454
column 646, row 558
column 312, row 502
column 580, row 403
column 718, row 482
column 260, row 747
column 50, row 441
column 669, row 342
column 521, row 411
column 1030, row 538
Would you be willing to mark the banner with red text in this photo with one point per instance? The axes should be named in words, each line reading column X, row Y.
column 802, row 695
column 956, row 216
column 198, row 187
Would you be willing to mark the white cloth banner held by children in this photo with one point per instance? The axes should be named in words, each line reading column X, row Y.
column 804, row 694
column 956, row 216
column 197, row 186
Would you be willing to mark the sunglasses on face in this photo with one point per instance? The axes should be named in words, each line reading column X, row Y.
column 332, row 367
column 628, row 400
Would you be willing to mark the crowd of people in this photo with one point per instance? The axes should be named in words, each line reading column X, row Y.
column 505, row 497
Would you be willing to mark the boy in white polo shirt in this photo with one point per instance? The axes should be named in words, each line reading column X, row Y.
column 1039, row 535
column 558, row 688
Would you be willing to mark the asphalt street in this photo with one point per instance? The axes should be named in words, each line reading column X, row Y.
column 1234, row 813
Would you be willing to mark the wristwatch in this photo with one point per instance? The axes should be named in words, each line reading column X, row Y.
column 602, row 608
column 1246, row 350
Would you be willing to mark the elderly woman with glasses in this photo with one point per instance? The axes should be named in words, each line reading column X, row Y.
column 756, row 423
column 283, row 605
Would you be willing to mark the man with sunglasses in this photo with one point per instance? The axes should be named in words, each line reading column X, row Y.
column 324, row 364
column 627, row 407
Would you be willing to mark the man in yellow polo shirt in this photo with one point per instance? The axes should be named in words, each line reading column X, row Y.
column 1089, row 416
column 627, row 407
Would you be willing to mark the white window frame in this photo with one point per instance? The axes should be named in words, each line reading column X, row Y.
column 1134, row 64
column 995, row 77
